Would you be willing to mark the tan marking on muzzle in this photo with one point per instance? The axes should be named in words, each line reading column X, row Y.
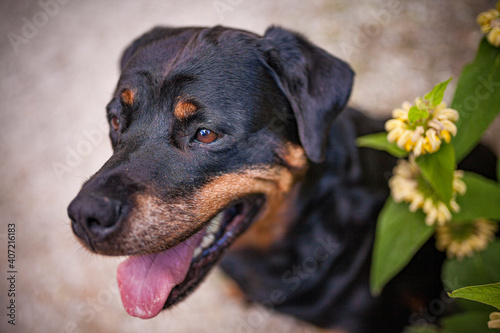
column 154, row 225
column 273, row 182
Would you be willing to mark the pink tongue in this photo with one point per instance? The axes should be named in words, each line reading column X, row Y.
column 146, row 281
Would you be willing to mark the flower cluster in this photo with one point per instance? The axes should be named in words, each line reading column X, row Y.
column 426, row 181
column 463, row 239
column 425, row 135
column 489, row 22
column 408, row 185
column 420, row 129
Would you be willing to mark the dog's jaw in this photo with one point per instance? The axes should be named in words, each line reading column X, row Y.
column 150, row 283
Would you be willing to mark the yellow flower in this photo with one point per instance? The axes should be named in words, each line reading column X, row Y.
column 408, row 185
column 462, row 240
column 494, row 36
column 494, row 320
column 426, row 135
column 489, row 22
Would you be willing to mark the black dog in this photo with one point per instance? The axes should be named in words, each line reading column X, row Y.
column 216, row 130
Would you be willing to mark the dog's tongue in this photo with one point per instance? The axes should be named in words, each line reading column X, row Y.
column 146, row 281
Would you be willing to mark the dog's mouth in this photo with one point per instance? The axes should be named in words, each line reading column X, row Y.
column 150, row 283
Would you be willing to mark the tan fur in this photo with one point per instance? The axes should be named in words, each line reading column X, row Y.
column 184, row 110
column 273, row 223
column 127, row 96
column 274, row 182
column 270, row 227
column 294, row 156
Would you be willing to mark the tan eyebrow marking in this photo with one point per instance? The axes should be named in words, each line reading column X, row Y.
column 184, row 110
column 127, row 96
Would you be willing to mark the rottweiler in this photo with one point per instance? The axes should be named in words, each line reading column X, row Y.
column 230, row 143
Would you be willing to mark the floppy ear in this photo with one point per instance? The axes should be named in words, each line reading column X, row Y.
column 316, row 84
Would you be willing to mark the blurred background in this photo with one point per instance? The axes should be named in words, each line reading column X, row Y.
column 59, row 66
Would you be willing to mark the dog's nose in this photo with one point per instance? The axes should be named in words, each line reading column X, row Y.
column 96, row 216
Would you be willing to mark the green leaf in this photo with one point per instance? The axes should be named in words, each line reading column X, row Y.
column 399, row 235
column 415, row 114
column 482, row 199
column 477, row 98
column 468, row 322
column 438, row 169
column 379, row 141
column 482, row 268
column 487, row 293
column 426, row 328
column 435, row 96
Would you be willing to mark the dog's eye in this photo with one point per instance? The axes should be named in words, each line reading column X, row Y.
column 206, row 136
column 115, row 122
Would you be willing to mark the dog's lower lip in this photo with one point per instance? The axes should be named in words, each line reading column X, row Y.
column 237, row 218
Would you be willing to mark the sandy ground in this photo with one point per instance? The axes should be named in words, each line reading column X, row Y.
column 56, row 81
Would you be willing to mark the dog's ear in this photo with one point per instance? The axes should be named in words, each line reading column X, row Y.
column 316, row 84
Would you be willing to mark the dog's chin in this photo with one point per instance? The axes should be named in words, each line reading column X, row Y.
column 150, row 283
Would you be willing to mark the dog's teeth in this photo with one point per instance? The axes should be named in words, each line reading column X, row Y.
column 215, row 224
column 207, row 241
column 210, row 232
column 196, row 252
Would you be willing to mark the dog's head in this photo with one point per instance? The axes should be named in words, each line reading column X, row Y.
column 210, row 129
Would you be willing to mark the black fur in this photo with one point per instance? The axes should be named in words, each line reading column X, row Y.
column 259, row 92
column 316, row 84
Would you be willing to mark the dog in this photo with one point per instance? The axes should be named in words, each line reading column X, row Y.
column 230, row 145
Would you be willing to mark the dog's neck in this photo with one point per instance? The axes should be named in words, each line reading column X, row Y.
column 327, row 226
